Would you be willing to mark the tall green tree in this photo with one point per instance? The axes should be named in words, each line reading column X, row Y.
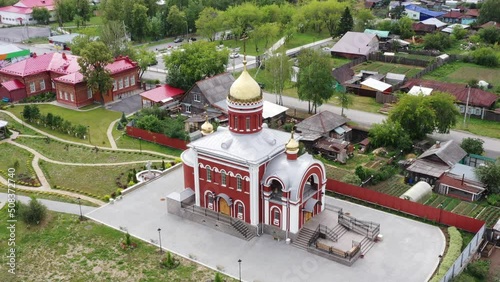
column 241, row 18
column 193, row 11
column 64, row 11
column 489, row 11
column 265, row 33
column 279, row 68
column 314, row 81
column 489, row 174
column 41, row 15
column 112, row 10
column 346, row 100
column 144, row 59
column 209, row 23
column 79, row 43
column 446, row 113
column 389, row 134
column 177, row 21
column 404, row 27
column 364, row 19
column 197, row 61
column 139, row 26
column 114, row 36
column 83, row 9
column 473, row 145
column 346, row 22
column 93, row 61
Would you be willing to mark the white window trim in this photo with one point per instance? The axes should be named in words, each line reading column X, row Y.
column 72, row 97
column 89, row 93
column 132, row 80
column 42, row 84
column 196, row 97
column 32, row 87
column 239, row 183
column 223, row 178
column 126, row 82
column 120, row 84
column 65, row 95
column 209, row 174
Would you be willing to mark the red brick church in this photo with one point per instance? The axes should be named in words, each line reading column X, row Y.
column 59, row 73
column 251, row 172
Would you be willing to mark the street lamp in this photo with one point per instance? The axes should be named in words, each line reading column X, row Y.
column 88, row 132
column 140, row 144
column 239, row 268
column 80, row 204
column 159, row 236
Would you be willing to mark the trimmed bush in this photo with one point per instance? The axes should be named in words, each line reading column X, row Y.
column 454, row 250
column 169, row 261
column 33, row 213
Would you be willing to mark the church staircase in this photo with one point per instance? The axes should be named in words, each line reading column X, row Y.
column 243, row 229
column 303, row 238
column 335, row 233
column 366, row 245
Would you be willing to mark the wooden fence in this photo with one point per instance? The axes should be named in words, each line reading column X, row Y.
column 157, row 138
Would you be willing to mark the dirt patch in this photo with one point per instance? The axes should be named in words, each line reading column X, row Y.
column 494, row 274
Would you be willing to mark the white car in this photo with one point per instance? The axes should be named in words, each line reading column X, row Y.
column 234, row 55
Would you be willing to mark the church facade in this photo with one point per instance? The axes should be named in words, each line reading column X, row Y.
column 251, row 172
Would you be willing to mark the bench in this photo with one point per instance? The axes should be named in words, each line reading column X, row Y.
column 353, row 251
column 338, row 252
column 322, row 246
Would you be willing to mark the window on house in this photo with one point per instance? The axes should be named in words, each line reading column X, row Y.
column 42, row 84
column 72, row 97
column 238, row 183
column 89, row 93
column 247, row 123
column 188, row 108
column 114, row 85
column 223, row 178
column 66, row 96
column 235, row 122
column 196, row 97
column 478, row 111
column 120, row 84
column 60, row 94
column 209, row 174
column 276, row 217
column 132, row 80
column 126, row 82
column 240, row 208
column 53, row 85
column 32, row 87
column 210, row 201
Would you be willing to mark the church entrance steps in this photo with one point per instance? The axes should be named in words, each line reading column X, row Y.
column 335, row 233
column 366, row 245
column 243, row 229
column 302, row 241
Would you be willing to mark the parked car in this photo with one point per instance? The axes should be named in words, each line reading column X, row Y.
column 192, row 38
column 178, row 40
column 234, row 55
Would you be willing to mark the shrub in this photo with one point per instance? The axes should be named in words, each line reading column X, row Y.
column 454, row 250
column 106, row 198
column 351, row 179
column 218, row 277
column 33, row 213
column 169, row 262
column 493, row 199
column 479, row 269
column 485, row 57
column 288, row 127
column 119, row 191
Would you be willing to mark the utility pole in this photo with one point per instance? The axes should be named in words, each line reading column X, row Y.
column 467, row 104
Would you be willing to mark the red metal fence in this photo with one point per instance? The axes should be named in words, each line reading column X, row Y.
column 156, row 138
column 431, row 213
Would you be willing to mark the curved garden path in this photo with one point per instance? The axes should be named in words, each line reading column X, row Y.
column 45, row 186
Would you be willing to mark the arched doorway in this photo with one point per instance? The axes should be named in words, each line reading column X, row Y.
column 224, row 207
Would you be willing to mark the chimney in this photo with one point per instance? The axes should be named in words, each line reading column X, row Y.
column 463, row 176
column 158, row 85
column 34, row 55
column 64, row 56
column 438, row 145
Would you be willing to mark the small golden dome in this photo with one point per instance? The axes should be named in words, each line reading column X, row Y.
column 292, row 146
column 207, row 128
column 245, row 88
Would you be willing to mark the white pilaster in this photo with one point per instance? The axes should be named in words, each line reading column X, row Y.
column 254, row 194
column 284, row 218
column 196, row 168
column 323, row 197
column 266, row 209
column 294, row 218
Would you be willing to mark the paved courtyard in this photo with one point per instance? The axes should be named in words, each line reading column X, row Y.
column 409, row 250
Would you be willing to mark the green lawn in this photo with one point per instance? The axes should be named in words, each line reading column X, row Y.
column 95, row 180
column 65, row 152
column 98, row 120
column 65, row 249
column 480, row 127
column 339, row 61
column 299, row 39
column 9, row 156
column 460, row 72
column 14, row 125
column 93, row 21
column 384, row 68
column 416, row 56
column 127, row 142
column 49, row 196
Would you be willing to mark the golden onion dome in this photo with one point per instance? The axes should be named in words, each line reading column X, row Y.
column 245, row 88
column 292, row 146
column 207, row 128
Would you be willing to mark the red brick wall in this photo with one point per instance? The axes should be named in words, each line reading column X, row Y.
column 13, row 96
column 122, row 76
column 79, row 92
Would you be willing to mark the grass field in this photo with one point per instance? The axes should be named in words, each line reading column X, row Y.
column 49, row 196
column 96, row 180
column 460, row 72
column 65, row 152
column 8, row 157
column 127, row 142
column 98, row 120
column 65, row 249
column 480, row 127
column 14, row 125
column 384, row 68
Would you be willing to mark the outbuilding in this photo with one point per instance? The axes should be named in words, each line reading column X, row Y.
column 417, row 192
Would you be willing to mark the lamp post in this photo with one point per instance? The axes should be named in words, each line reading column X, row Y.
column 140, row 144
column 239, row 268
column 88, row 132
column 80, row 205
column 159, row 236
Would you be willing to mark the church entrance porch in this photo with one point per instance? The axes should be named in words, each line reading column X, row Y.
column 224, row 207
column 307, row 216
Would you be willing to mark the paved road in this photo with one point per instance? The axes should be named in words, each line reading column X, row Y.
column 491, row 145
column 408, row 246
column 51, row 205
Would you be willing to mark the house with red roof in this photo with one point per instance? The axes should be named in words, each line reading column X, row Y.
column 478, row 100
column 21, row 12
column 162, row 95
column 452, row 17
column 59, row 73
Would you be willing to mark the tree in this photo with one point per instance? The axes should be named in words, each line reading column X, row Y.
column 144, row 58
column 346, row 22
column 93, row 61
column 351, row 179
column 314, row 81
column 446, row 113
column 78, row 43
column 318, row 15
column 490, row 35
column 41, row 15
column 389, row 134
column 279, row 68
column 112, row 10
column 489, row 11
column 114, row 36
column 209, row 23
column 437, row 41
column 489, row 174
column 33, row 213
column 64, row 11
column 364, row 19
column 139, row 22
column 404, row 27
column 345, row 99
column 197, row 61
column 473, row 145
column 240, row 18
column 266, row 32
column 459, row 32
column 193, row 11
column 83, row 10
column 485, row 57
column 177, row 21
column 398, row 12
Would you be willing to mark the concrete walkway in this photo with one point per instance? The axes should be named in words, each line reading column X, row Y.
column 409, row 252
column 51, row 205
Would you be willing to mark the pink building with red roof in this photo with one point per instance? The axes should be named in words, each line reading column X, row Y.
column 162, row 95
column 21, row 12
column 59, row 73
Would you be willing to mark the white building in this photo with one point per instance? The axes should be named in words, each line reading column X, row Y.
column 21, row 12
